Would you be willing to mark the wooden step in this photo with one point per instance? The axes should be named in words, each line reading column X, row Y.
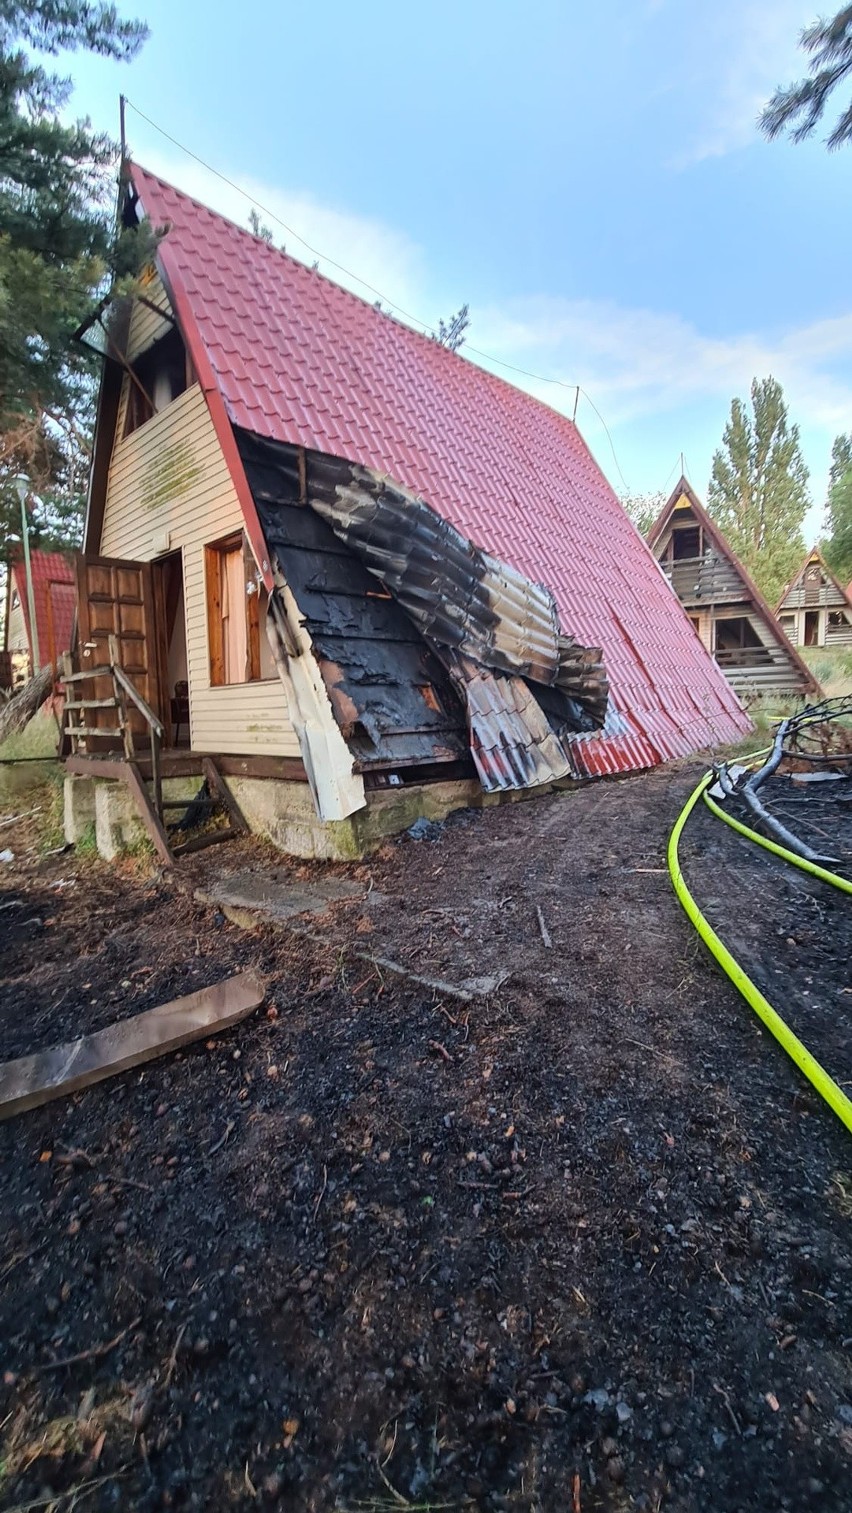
column 92, row 672
column 102, row 730
column 91, row 704
column 185, row 803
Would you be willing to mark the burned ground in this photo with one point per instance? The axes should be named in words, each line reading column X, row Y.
column 580, row 1243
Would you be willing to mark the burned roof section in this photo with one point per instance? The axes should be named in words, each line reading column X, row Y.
column 418, row 632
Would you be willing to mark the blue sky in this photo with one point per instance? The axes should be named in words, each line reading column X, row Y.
column 588, row 178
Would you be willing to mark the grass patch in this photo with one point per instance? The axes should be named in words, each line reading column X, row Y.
column 832, row 665
column 39, row 738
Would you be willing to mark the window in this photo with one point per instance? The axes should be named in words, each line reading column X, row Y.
column 233, row 612
column 16, row 599
column 155, row 379
column 837, row 617
column 686, row 543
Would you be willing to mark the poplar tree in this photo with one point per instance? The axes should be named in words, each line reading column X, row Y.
column 758, row 491
column 837, row 550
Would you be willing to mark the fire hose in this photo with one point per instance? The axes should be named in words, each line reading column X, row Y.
column 816, row 1074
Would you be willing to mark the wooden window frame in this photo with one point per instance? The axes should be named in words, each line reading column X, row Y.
column 214, row 552
column 140, row 405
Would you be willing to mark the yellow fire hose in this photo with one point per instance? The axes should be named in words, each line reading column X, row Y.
column 817, row 1075
column 789, row 856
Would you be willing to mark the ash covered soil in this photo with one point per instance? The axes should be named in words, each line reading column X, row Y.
column 579, row 1242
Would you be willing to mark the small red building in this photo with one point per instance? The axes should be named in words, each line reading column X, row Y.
column 54, row 599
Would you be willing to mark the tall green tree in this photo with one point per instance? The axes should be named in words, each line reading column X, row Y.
column 798, row 108
column 837, row 549
column 58, row 250
column 758, row 491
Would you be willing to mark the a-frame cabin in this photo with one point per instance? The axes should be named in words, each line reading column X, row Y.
column 344, row 570
column 814, row 610
column 725, row 607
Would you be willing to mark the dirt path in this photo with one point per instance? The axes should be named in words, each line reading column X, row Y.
column 582, row 1243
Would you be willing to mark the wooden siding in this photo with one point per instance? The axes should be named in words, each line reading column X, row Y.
column 698, row 581
column 169, row 479
column 16, row 630
column 146, row 326
column 793, row 625
column 711, row 591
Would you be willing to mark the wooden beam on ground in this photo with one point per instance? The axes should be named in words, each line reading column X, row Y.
column 63, row 1069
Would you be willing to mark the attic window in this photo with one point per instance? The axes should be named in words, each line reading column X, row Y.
column 686, row 543
column 155, row 379
column 16, row 599
column 837, row 617
column 233, row 612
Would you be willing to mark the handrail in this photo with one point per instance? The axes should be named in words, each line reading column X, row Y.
column 141, row 704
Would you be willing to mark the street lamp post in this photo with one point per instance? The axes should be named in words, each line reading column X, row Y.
column 22, row 489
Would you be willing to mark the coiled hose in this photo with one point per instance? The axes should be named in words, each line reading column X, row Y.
column 816, row 1074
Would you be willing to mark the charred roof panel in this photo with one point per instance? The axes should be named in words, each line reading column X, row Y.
column 417, row 632
column 394, row 702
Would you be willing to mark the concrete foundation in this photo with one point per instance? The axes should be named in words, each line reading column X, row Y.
column 285, row 814
column 79, row 808
column 117, row 823
column 281, row 811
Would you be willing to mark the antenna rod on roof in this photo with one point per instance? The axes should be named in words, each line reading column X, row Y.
column 121, row 104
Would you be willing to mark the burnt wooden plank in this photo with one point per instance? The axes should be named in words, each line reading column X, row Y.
column 32, row 1080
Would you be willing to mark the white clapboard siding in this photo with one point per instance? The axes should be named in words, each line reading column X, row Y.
column 146, row 325
column 170, row 477
column 16, row 630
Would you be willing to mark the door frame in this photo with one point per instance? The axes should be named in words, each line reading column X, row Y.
column 158, row 567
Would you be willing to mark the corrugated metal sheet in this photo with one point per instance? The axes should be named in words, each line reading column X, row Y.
column 300, row 360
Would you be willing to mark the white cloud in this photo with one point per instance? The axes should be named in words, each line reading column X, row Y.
column 743, row 49
column 380, row 255
column 637, row 362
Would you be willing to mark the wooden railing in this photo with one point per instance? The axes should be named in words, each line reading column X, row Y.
column 124, row 694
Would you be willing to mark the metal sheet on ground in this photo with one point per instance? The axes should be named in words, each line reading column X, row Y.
column 33, row 1080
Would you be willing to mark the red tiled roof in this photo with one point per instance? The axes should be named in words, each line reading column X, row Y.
column 55, row 600
column 301, row 360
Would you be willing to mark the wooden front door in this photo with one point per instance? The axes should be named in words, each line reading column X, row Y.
column 115, row 598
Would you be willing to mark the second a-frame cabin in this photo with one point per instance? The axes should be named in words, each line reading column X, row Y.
column 343, row 572
column 814, row 610
column 725, row 607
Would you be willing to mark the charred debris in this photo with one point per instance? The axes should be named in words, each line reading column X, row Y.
column 432, row 652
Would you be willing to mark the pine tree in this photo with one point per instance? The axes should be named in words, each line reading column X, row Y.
column 758, row 490
column 58, row 250
column 837, row 550
column 799, row 107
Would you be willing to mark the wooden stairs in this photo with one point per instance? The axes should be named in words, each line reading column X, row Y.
column 214, row 794
column 95, row 725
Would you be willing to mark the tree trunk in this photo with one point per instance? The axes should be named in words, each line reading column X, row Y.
column 25, row 703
